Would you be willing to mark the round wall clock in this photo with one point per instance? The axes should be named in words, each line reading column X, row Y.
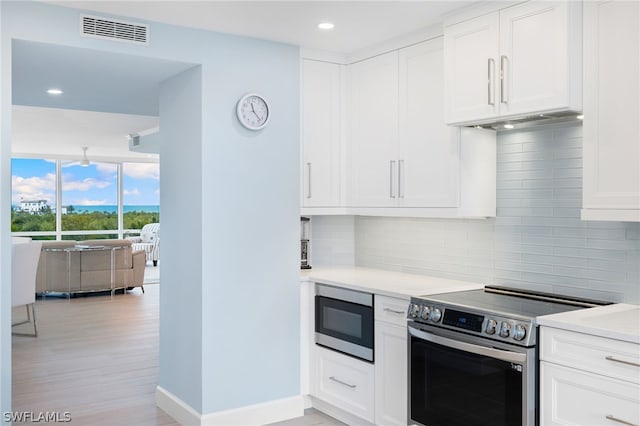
column 253, row 111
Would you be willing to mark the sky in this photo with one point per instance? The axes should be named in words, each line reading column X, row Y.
column 35, row 179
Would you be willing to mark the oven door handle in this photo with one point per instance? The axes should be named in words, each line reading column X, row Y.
column 469, row 347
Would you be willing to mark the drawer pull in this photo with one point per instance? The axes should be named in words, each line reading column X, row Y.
column 393, row 311
column 342, row 383
column 610, row 358
column 614, row 419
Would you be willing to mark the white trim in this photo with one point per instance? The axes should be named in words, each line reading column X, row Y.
column 257, row 414
column 182, row 412
column 338, row 413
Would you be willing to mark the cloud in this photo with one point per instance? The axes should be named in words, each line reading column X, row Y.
column 84, row 184
column 33, row 188
column 134, row 191
column 106, row 168
column 142, row 170
column 87, row 202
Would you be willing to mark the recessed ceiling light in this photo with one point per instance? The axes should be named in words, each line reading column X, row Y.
column 55, row 92
column 580, row 117
column 326, row 25
column 508, row 126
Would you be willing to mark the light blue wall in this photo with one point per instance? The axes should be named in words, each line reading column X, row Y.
column 181, row 238
column 247, row 220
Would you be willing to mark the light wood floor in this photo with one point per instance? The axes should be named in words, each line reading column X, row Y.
column 97, row 359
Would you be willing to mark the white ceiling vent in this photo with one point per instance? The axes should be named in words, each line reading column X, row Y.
column 110, row 29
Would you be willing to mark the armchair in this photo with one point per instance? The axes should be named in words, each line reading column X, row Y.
column 149, row 241
column 24, row 266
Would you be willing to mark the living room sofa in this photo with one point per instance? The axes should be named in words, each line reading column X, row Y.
column 85, row 266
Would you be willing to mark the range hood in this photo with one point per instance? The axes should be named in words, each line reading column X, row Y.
column 531, row 120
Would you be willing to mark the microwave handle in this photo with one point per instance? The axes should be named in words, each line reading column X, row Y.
column 469, row 347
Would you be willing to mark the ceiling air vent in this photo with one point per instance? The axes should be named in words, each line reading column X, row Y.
column 109, row 29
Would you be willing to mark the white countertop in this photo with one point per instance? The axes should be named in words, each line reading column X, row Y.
column 388, row 283
column 619, row 321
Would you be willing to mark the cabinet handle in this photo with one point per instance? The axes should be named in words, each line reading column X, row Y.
column 309, row 180
column 504, row 63
column 490, row 68
column 615, row 419
column 611, row 358
column 342, row 383
column 400, row 178
column 394, row 311
column 392, row 193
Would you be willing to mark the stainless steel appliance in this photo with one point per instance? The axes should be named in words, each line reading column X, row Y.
column 473, row 356
column 305, row 244
column 344, row 321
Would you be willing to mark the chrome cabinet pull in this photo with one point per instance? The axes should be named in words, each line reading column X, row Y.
column 392, row 193
column 504, row 63
column 394, row 311
column 621, row 361
column 490, row 68
column 342, row 383
column 615, row 419
column 400, row 178
column 309, row 180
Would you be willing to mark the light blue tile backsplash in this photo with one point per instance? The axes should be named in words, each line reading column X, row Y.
column 537, row 241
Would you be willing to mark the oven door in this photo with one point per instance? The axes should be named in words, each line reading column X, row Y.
column 344, row 321
column 460, row 380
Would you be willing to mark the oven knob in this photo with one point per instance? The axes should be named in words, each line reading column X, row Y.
column 425, row 313
column 519, row 332
column 491, row 327
column 435, row 315
column 505, row 329
column 414, row 310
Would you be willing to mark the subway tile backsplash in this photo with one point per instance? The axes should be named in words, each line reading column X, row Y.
column 537, row 241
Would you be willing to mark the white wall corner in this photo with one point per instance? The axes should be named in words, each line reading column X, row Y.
column 177, row 408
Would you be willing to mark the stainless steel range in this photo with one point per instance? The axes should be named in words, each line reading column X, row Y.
column 473, row 356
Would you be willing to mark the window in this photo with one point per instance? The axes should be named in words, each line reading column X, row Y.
column 89, row 196
column 140, row 194
column 33, row 195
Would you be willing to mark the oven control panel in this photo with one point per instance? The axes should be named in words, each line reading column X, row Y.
column 511, row 330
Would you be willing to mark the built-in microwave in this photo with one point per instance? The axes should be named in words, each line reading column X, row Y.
column 344, row 321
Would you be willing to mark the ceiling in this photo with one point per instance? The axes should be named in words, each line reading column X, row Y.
column 358, row 24
column 126, row 99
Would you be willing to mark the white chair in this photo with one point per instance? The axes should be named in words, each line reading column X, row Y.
column 149, row 241
column 24, row 266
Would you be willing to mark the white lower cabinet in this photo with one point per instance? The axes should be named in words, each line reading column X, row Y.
column 345, row 382
column 391, row 374
column 390, row 360
column 588, row 380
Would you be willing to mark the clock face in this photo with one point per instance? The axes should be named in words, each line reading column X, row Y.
column 253, row 111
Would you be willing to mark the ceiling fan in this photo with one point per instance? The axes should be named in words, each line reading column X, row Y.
column 85, row 161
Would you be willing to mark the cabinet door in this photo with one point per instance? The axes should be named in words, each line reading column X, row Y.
column 611, row 162
column 534, row 57
column 573, row 397
column 374, row 131
column 429, row 153
column 320, row 134
column 390, row 374
column 470, row 64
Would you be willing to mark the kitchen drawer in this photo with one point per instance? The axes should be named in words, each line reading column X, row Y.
column 391, row 310
column 609, row 357
column 573, row 397
column 345, row 382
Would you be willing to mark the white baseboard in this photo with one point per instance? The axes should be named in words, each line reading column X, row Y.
column 338, row 413
column 182, row 412
column 257, row 414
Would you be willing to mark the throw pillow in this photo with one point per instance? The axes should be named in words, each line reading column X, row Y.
column 147, row 237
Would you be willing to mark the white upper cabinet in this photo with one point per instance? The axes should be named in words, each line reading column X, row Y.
column 428, row 149
column 611, row 164
column 374, row 131
column 404, row 160
column 518, row 61
column 321, row 142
